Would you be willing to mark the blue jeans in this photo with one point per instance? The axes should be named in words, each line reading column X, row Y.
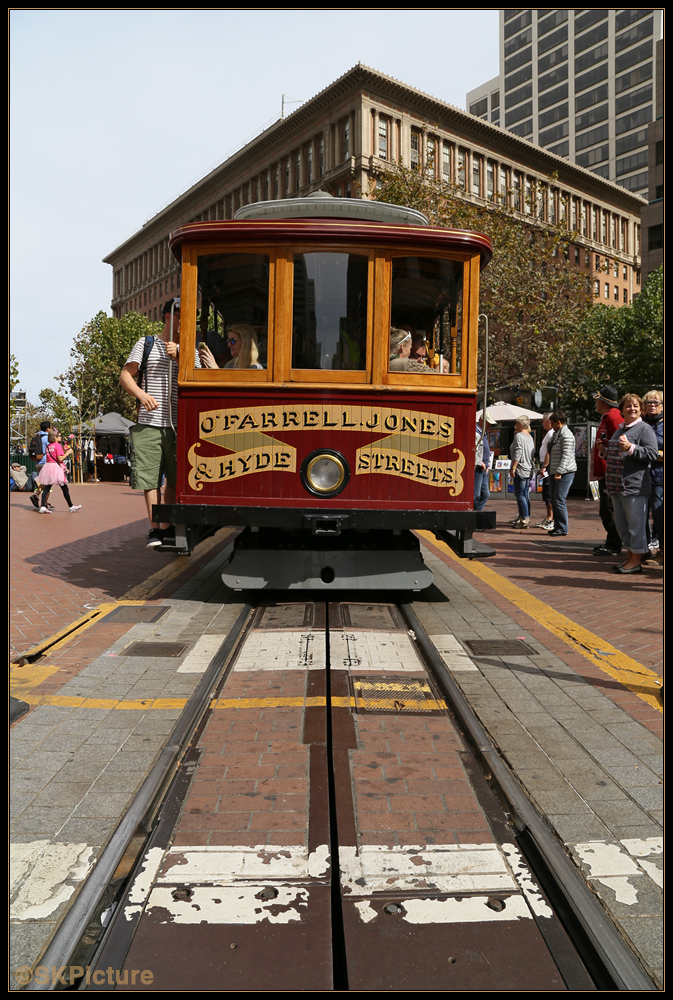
column 559, row 494
column 481, row 491
column 521, row 492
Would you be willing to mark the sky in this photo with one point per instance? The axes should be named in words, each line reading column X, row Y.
column 114, row 113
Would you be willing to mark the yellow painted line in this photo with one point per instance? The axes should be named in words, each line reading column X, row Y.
column 297, row 702
column 152, row 704
column 137, row 705
column 642, row 681
column 59, row 639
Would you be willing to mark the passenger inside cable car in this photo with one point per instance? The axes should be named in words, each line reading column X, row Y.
column 241, row 340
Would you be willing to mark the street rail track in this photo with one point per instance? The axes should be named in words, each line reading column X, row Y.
column 336, row 912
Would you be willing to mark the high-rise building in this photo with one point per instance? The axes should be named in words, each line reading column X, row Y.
column 652, row 216
column 581, row 83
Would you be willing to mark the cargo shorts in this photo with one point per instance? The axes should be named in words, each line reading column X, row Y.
column 154, row 456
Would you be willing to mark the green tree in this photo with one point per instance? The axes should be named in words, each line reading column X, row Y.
column 13, row 373
column 623, row 347
column 98, row 355
column 58, row 410
column 532, row 294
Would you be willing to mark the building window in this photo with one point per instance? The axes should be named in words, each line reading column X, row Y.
column 346, row 140
column 309, row 163
column 503, row 185
column 446, row 162
column 626, row 297
column 490, row 188
column 476, row 174
column 460, row 169
column 415, row 149
column 597, row 288
column 607, row 290
column 430, row 157
column 321, row 156
column 383, row 139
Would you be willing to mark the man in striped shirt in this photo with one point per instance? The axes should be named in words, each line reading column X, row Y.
column 154, row 451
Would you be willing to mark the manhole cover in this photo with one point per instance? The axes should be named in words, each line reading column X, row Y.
column 133, row 615
column 296, row 616
column 371, row 616
column 155, row 649
column 500, row 647
column 393, row 696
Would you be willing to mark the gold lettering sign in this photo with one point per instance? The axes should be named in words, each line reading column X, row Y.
column 248, row 435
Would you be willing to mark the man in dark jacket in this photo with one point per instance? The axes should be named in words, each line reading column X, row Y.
column 611, row 418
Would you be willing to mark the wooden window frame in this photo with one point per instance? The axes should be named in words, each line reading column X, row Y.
column 279, row 371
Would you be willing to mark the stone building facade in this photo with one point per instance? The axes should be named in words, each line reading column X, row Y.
column 342, row 140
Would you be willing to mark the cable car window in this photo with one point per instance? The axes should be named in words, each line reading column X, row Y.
column 232, row 323
column 329, row 311
column 426, row 315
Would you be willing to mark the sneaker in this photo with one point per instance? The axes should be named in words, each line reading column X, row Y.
column 603, row 550
column 155, row 538
column 547, row 526
column 168, row 535
column 521, row 522
column 75, row 506
column 44, row 510
column 35, row 502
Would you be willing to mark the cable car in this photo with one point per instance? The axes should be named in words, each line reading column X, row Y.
column 334, row 411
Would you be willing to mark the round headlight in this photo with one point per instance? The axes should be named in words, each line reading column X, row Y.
column 325, row 473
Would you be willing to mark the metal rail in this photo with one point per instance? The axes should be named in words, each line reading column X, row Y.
column 79, row 917
column 608, row 957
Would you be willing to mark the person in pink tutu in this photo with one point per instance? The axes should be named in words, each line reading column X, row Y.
column 54, row 471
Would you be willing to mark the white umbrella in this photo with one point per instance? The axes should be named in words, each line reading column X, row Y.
column 509, row 411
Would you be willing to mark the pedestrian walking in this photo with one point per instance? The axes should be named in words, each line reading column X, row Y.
column 521, row 453
column 562, row 468
column 54, row 472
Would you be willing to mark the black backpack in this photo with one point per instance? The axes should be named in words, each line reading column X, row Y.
column 35, row 448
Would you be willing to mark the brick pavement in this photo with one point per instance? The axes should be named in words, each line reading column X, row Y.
column 564, row 573
column 62, row 564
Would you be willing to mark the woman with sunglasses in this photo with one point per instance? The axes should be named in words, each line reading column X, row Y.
column 242, row 344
